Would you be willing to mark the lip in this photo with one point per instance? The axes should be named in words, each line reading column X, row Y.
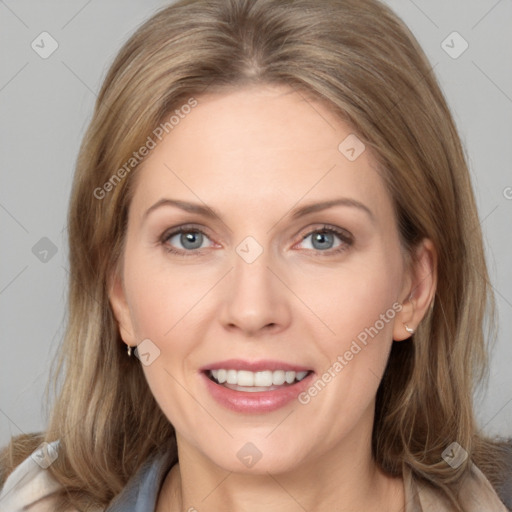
column 256, row 402
column 254, row 366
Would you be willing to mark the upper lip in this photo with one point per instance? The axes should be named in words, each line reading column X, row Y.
column 254, row 366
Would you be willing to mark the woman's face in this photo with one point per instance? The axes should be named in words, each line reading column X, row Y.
column 299, row 269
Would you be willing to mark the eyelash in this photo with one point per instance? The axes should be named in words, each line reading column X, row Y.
column 344, row 236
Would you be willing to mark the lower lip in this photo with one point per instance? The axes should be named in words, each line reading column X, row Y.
column 257, row 401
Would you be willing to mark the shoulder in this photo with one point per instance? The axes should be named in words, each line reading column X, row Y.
column 478, row 492
column 475, row 494
column 30, row 486
column 504, row 489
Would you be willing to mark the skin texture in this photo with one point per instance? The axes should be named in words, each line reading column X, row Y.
column 254, row 155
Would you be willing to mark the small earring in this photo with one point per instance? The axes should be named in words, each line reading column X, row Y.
column 410, row 330
column 129, row 350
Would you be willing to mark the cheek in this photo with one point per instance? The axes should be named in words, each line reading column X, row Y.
column 355, row 297
column 162, row 310
column 369, row 299
column 357, row 305
column 165, row 306
column 161, row 296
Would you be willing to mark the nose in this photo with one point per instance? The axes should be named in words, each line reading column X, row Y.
column 256, row 300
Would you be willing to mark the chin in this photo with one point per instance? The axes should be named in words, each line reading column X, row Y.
column 249, row 459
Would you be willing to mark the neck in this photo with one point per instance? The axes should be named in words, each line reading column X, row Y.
column 342, row 479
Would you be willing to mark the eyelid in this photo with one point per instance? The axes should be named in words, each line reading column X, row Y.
column 183, row 228
column 344, row 234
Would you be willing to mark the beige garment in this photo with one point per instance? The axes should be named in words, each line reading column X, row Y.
column 476, row 495
column 28, row 488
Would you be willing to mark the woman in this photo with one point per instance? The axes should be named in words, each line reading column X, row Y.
column 272, row 211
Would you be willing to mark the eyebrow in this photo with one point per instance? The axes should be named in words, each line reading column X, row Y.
column 294, row 214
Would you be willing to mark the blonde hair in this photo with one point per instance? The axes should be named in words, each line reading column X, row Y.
column 358, row 58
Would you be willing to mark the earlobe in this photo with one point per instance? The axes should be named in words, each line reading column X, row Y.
column 420, row 290
column 120, row 309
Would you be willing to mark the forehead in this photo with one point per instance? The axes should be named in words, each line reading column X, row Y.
column 256, row 147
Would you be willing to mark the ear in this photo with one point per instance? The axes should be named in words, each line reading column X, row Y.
column 117, row 299
column 418, row 291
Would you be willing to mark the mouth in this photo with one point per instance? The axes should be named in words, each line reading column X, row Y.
column 255, row 387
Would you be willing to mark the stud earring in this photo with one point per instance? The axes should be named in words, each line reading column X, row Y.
column 410, row 330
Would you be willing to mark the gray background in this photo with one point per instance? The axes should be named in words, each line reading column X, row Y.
column 45, row 105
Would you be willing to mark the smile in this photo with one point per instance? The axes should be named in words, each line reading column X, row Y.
column 255, row 386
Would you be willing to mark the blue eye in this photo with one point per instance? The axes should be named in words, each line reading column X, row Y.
column 190, row 240
column 323, row 239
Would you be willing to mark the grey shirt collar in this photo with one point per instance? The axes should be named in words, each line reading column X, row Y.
column 141, row 492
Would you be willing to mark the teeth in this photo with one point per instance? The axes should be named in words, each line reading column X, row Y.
column 265, row 378
column 244, row 378
column 262, row 378
column 300, row 375
column 231, row 377
column 279, row 377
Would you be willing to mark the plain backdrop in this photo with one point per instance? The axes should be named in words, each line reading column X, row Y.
column 46, row 104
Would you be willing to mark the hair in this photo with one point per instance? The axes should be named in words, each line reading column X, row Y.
column 359, row 59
